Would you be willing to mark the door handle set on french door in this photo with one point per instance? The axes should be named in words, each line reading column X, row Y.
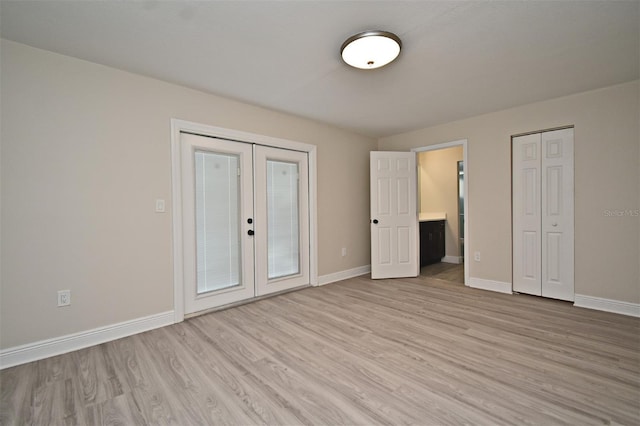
column 250, row 231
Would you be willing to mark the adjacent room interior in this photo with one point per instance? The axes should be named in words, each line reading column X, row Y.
column 441, row 186
column 211, row 214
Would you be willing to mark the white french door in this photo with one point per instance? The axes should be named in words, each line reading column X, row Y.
column 543, row 230
column 282, row 219
column 394, row 215
column 217, row 197
column 245, row 220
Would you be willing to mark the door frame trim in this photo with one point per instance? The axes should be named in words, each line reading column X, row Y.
column 467, row 213
column 178, row 126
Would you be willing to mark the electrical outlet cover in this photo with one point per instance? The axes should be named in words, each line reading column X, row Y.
column 64, row 297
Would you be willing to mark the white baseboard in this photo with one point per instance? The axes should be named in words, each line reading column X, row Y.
column 71, row 342
column 453, row 259
column 482, row 284
column 343, row 275
column 607, row 305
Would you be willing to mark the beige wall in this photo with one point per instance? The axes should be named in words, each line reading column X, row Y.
column 85, row 153
column 438, row 189
column 607, row 165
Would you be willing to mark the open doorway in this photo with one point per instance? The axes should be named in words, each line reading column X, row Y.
column 442, row 204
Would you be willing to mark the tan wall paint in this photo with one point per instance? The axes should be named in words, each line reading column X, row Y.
column 438, row 183
column 607, row 140
column 85, row 153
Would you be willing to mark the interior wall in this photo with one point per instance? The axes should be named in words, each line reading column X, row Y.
column 607, row 184
column 85, row 153
column 438, row 187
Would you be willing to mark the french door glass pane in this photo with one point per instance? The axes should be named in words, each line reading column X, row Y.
column 283, row 239
column 217, row 221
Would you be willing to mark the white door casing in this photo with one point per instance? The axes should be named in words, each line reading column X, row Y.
column 394, row 215
column 543, row 215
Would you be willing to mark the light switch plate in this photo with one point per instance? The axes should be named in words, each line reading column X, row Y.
column 160, row 206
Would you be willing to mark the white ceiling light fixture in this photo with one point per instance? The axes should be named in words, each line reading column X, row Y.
column 371, row 49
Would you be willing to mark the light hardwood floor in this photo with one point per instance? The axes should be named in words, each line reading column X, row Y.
column 444, row 271
column 417, row 351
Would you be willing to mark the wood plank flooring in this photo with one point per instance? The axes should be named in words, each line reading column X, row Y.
column 409, row 351
column 444, row 271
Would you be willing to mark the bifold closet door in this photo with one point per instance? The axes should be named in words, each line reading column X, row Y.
column 543, row 214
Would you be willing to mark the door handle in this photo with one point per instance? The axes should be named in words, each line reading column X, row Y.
column 554, row 224
column 375, row 221
column 250, row 232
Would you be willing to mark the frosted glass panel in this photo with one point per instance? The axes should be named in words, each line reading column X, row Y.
column 283, row 241
column 217, row 221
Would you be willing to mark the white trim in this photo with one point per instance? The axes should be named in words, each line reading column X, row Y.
column 607, row 305
column 467, row 212
column 178, row 126
column 343, row 275
column 482, row 284
column 313, row 214
column 453, row 259
column 238, row 136
column 176, row 225
column 72, row 342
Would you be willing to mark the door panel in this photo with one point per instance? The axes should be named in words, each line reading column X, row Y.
column 217, row 201
column 394, row 218
column 384, row 196
column 557, row 214
column 282, row 219
column 384, row 245
column 526, row 214
column 404, row 241
column 531, row 269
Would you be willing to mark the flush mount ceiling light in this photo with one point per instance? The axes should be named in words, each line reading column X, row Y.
column 371, row 49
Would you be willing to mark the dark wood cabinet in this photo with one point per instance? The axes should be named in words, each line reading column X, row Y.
column 431, row 242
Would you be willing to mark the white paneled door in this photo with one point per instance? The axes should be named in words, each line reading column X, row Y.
column 543, row 231
column 245, row 220
column 394, row 216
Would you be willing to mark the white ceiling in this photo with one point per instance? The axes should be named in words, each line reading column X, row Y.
column 459, row 59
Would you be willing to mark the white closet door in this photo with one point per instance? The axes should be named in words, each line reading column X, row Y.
column 557, row 215
column 282, row 219
column 526, row 214
column 217, row 203
column 543, row 236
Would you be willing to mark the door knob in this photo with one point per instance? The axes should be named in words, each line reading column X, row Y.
column 375, row 221
column 250, row 232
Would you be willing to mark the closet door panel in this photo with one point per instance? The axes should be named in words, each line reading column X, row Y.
column 526, row 214
column 557, row 215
